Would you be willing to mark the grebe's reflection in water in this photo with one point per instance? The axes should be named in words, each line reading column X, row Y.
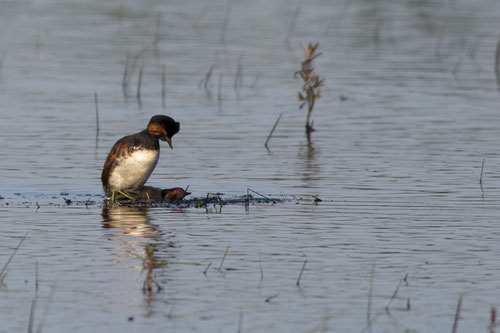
column 136, row 238
column 129, row 220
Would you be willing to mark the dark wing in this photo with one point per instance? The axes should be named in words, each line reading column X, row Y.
column 120, row 149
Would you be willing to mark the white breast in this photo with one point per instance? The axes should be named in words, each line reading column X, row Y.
column 134, row 170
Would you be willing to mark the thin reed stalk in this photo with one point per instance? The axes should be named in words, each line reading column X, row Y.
column 163, row 86
column 457, row 314
column 225, row 22
column 223, row 258
column 301, row 272
column 157, row 37
column 46, row 308
column 238, row 77
column 33, row 302
column 272, row 130
column 139, row 84
column 481, row 177
column 261, row 270
column 2, row 272
column 250, row 190
column 219, row 92
column 497, row 64
column 96, row 112
column 291, row 26
column 206, row 269
column 125, row 77
column 370, row 295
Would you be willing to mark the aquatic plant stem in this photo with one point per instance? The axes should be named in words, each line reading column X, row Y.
column 370, row 294
column 206, row 269
column 139, row 84
column 11, row 256
column 457, row 314
column 96, row 112
column 223, row 258
column 33, row 301
column 163, row 86
column 497, row 64
column 272, row 130
column 482, row 169
column 300, row 274
column 46, row 308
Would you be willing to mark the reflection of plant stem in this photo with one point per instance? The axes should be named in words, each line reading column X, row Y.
column 150, row 264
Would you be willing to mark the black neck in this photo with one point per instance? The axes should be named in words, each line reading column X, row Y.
column 144, row 140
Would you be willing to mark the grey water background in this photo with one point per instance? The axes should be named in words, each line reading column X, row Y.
column 409, row 110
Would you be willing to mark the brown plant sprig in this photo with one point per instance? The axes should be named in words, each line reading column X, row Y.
column 312, row 82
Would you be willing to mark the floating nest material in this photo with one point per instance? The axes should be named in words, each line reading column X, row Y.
column 157, row 197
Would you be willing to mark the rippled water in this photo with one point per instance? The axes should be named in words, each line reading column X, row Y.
column 408, row 113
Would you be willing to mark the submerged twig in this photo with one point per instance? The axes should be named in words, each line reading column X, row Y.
column 334, row 21
column 238, row 77
column 255, row 81
column 125, row 77
column 163, row 85
column 139, row 84
column 46, row 309
column 300, row 274
column 481, row 177
column 437, row 49
column 223, row 259
column 268, row 299
column 206, row 269
column 96, row 112
column 395, row 293
column 11, row 256
column 219, row 92
column 1, row 61
column 291, row 26
column 497, row 64
column 136, row 58
column 206, row 79
column 493, row 319
column 157, row 36
column 250, row 190
column 33, row 301
column 370, row 294
column 472, row 52
column 456, row 68
column 240, row 322
column 224, row 22
column 457, row 314
column 261, row 270
column 372, row 318
column 272, row 130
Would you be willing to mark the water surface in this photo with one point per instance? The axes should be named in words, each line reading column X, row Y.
column 407, row 115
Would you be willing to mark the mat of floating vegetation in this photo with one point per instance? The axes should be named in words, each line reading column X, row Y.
column 157, row 197
column 181, row 199
column 215, row 199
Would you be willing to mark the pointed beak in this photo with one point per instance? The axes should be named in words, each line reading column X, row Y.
column 169, row 141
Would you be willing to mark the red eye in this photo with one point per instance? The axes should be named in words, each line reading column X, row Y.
column 164, row 133
column 176, row 191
